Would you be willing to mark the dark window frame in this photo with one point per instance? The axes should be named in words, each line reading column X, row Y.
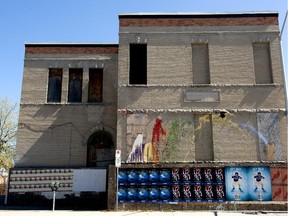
column 75, row 85
column 54, row 91
column 95, row 87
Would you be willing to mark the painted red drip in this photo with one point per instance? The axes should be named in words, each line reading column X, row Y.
column 157, row 132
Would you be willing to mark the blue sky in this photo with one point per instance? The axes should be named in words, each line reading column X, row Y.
column 90, row 21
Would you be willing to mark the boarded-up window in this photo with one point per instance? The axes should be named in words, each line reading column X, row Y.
column 75, row 85
column 138, row 64
column 262, row 63
column 203, row 137
column 54, row 85
column 95, row 85
column 200, row 64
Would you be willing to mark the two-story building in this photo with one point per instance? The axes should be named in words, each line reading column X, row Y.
column 179, row 92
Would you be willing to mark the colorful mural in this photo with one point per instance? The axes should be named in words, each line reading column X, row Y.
column 172, row 137
column 166, row 140
column 268, row 125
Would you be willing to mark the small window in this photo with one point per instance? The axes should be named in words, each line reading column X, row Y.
column 138, row 64
column 200, row 64
column 54, row 85
column 262, row 63
column 75, row 85
column 95, row 85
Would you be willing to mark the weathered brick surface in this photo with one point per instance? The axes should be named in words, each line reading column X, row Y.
column 72, row 49
column 169, row 76
column 57, row 134
column 198, row 20
column 232, row 73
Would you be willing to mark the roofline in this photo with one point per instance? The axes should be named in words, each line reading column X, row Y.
column 71, row 45
column 200, row 14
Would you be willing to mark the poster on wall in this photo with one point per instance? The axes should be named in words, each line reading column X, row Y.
column 259, row 183
column 171, row 185
column 248, row 183
column 236, row 183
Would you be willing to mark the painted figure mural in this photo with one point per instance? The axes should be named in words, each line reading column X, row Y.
column 165, row 137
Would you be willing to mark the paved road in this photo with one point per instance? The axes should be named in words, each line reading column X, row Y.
column 134, row 213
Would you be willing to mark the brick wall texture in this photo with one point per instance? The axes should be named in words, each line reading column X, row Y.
column 194, row 20
column 57, row 134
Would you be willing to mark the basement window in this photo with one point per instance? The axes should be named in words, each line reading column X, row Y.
column 54, row 85
column 95, row 93
column 138, row 64
column 75, row 85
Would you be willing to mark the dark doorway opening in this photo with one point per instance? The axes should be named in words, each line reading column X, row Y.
column 100, row 150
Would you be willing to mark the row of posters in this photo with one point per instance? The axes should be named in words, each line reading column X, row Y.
column 233, row 183
column 171, row 176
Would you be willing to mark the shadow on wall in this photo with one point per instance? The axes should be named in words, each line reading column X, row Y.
column 57, row 135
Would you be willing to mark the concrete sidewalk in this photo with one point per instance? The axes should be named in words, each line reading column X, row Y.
column 134, row 213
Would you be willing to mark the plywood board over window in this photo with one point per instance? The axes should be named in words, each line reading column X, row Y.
column 262, row 63
column 200, row 64
column 95, row 85
column 75, row 85
column 204, row 150
column 54, row 85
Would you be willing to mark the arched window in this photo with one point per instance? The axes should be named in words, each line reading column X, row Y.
column 100, row 149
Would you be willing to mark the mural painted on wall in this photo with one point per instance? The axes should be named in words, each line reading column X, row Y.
column 267, row 132
column 268, row 125
column 248, row 183
column 165, row 140
column 171, row 137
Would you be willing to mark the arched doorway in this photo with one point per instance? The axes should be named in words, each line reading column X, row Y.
column 100, row 149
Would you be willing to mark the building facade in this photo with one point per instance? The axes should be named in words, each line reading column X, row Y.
column 177, row 92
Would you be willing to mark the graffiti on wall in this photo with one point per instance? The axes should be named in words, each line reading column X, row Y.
column 162, row 141
column 152, row 138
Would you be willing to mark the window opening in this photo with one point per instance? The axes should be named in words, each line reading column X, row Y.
column 138, row 64
column 75, row 85
column 95, row 93
column 54, row 85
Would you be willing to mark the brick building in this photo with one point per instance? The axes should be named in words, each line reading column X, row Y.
column 178, row 91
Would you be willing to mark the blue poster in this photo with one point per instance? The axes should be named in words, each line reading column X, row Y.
column 248, row 183
column 237, row 188
column 259, row 183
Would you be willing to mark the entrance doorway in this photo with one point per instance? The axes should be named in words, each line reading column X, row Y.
column 100, row 150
